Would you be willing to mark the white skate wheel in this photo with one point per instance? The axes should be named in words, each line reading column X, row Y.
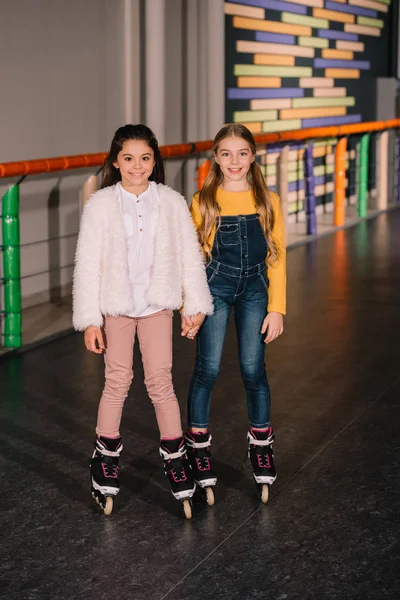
column 109, row 506
column 187, row 509
column 264, row 493
column 210, row 496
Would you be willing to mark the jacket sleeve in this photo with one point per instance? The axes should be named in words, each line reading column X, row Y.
column 87, row 272
column 277, row 272
column 196, row 293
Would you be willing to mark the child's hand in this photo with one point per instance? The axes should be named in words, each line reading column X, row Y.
column 273, row 322
column 191, row 325
column 93, row 335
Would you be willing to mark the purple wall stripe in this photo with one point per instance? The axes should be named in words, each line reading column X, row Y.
column 275, row 38
column 274, row 5
column 321, row 179
column 354, row 10
column 296, row 185
column 253, row 93
column 324, row 63
column 324, row 122
column 337, row 35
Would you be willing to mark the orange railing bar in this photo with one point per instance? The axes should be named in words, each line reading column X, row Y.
column 82, row 161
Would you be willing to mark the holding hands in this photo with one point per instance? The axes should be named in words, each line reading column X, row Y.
column 191, row 325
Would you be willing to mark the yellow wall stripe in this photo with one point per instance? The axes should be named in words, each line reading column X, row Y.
column 281, row 125
column 302, row 20
column 239, row 116
column 308, row 102
column 313, row 42
column 370, row 22
column 267, row 71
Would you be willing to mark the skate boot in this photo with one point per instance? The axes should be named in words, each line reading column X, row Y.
column 199, row 455
column 104, row 468
column 178, row 471
column 262, row 459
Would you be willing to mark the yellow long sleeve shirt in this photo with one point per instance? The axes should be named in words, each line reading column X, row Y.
column 243, row 203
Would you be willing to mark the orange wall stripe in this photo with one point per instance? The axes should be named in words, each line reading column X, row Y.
column 274, row 59
column 340, row 54
column 343, row 73
column 259, row 82
column 306, row 113
column 271, row 26
column 333, row 15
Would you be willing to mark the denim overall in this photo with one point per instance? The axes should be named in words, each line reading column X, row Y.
column 237, row 278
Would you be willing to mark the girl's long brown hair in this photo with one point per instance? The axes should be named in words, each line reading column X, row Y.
column 111, row 174
column 209, row 208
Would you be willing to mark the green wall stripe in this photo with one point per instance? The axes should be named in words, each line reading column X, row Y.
column 243, row 116
column 281, row 125
column 370, row 22
column 295, row 19
column 315, row 102
column 313, row 42
column 261, row 70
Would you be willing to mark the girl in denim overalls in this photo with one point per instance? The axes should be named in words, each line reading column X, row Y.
column 241, row 231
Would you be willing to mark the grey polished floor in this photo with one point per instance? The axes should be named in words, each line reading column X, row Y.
column 330, row 530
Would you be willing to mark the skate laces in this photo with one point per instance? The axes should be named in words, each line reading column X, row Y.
column 177, row 470
column 110, row 468
column 263, row 458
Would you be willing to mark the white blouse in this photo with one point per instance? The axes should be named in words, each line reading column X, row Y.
column 140, row 216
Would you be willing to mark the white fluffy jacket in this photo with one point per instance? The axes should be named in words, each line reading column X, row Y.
column 101, row 277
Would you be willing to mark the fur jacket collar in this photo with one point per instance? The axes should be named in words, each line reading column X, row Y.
column 101, row 277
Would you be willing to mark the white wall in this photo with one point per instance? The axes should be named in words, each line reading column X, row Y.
column 71, row 73
column 63, row 75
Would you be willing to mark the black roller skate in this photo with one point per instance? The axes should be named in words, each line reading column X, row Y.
column 178, row 471
column 199, row 455
column 104, row 468
column 262, row 459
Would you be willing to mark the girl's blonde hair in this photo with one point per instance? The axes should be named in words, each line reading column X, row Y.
column 209, row 208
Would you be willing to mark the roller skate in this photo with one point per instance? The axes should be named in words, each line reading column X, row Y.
column 178, row 471
column 199, row 455
column 104, row 468
column 262, row 459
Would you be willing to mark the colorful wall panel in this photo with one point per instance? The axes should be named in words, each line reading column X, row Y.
column 304, row 63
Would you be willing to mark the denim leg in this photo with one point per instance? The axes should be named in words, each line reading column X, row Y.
column 250, row 312
column 210, row 341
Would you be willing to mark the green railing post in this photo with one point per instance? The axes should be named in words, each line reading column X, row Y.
column 11, row 268
column 363, row 176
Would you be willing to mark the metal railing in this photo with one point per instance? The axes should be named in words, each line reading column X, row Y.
column 358, row 159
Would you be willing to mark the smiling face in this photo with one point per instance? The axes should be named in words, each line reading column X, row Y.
column 136, row 163
column 234, row 157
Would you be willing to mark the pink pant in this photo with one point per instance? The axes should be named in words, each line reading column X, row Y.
column 155, row 339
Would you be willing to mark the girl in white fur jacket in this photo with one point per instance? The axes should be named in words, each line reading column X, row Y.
column 137, row 260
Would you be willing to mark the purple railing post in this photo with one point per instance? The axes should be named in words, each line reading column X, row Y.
column 310, row 190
